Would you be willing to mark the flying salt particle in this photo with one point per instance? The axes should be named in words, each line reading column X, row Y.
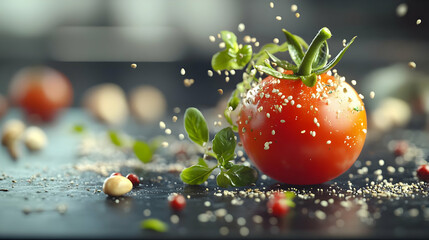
column 401, row 9
column 241, row 27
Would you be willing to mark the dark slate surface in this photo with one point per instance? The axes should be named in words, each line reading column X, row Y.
column 90, row 214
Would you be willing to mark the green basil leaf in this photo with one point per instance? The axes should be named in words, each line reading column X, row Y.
column 241, row 176
column 244, row 55
column 294, row 47
column 142, row 151
column 321, row 57
column 233, row 102
column 223, row 61
column 224, row 145
column 309, row 80
column 230, row 40
column 196, row 126
column 272, row 48
column 203, row 163
column 154, row 224
column 223, row 180
column 334, row 61
column 115, row 139
column 196, row 174
column 275, row 73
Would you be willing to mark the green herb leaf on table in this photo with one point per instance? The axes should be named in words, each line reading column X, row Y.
column 142, row 151
column 223, row 180
column 115, row 139
column 196, row 126
column 224, row 145
column 241, row 176
column 196, row 174
column 154, row 224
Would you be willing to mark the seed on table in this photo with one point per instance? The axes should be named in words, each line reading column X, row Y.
column 117, row 186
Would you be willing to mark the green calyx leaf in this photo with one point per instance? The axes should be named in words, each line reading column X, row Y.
column 282, row 63
column 154, row 225
column 224, row 145
column 322, row 57
column 334, row 61
column 237, row 176
column 196, row 126
column 142, row 151
column 309, row 64
column 232, row 57
column 270, row 71
column 309, row 80
column 196, row 174
column 294, row 47
column 115, row 139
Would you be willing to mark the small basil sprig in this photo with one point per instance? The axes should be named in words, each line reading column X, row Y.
column 309, row 64
column 142, row 150
column 233, row 57
column 223, row 150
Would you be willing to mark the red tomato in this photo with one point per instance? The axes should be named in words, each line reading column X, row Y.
column 41, row 92
column 423, row 173
column 177, row 202
column 302, row 135
column 277, row 205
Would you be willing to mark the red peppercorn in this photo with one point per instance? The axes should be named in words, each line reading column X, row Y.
column 277, row 205
column 423, row 173
column 177, row 202
column 134, row 179
column 115, row 174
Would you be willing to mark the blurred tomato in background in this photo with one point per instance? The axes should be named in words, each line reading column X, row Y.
column 41, row 92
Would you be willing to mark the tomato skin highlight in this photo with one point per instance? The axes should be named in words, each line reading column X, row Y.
column 302, row 135
column 41, row 92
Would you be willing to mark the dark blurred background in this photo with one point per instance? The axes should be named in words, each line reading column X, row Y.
column 95, row 41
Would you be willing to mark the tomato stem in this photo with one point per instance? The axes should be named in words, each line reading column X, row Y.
column 305, row 68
